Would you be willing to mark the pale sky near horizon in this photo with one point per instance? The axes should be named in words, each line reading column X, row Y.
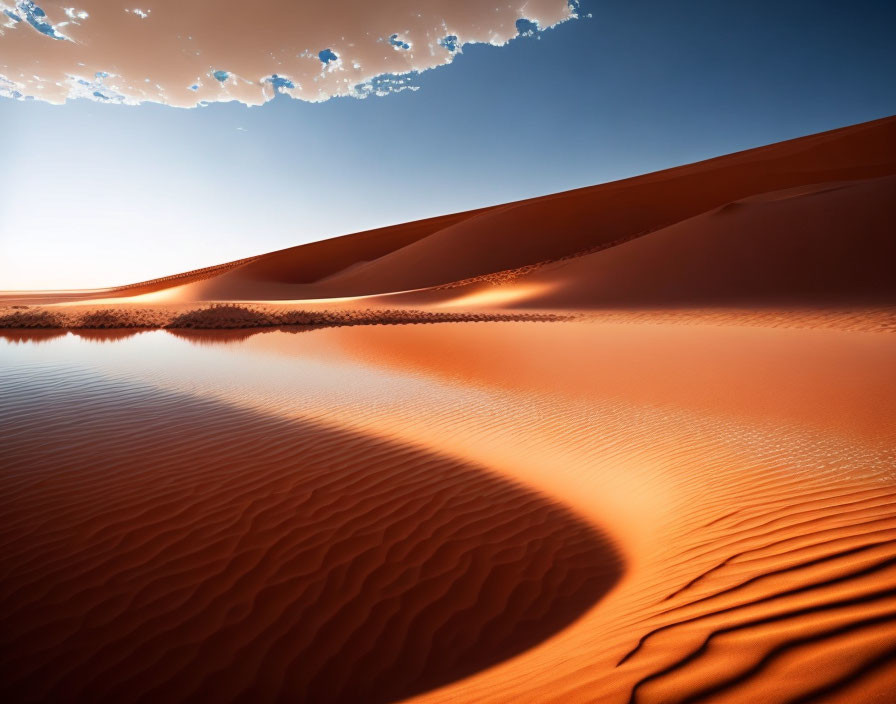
column 96, row 192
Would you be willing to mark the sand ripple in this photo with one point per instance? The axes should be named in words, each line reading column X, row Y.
column 157, row 547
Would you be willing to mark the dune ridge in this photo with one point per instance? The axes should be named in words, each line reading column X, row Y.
column 729, row 228
column 557, row 226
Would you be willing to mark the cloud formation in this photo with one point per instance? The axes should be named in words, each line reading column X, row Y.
column 192, row 53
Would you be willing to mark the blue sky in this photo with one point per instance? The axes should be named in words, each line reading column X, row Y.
column 94, row 194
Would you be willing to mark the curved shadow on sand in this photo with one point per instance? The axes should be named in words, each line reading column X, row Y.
column 164, row 547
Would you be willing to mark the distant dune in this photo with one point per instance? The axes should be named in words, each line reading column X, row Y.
column 825, row 244
column 772, row 225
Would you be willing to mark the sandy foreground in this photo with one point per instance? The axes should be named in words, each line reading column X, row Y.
column 634, row 443
column 535, row 511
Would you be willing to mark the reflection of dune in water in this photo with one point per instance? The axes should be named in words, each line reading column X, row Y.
column 107, row 334
column 25, row 335
column 217, row 337
column 170, row 547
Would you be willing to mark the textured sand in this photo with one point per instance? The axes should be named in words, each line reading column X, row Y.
column 614, row 511
column 158, row 546
column 648, row 454
column 753, row 503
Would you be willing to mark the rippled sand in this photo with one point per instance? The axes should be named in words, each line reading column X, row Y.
column 644, row 450
column 365, row 514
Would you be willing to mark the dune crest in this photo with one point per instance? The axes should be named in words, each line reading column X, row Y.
column 737, row 223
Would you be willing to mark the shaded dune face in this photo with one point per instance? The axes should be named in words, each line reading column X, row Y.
column 160, row 547
column 829, row 244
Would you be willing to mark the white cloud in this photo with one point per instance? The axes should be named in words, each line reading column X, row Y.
column 162, row 59
column 74, row 14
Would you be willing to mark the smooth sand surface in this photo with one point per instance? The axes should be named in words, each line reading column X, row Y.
column 644, row 450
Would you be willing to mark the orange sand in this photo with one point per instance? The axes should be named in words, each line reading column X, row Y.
column 648, row 454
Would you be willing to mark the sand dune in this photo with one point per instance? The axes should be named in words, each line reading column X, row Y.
column 233, row 556
column 613, row 512
column 557, row 226
column 761, row 507
column 520, row 234
column 647, row 455
column 750, row 205
column 830, row 244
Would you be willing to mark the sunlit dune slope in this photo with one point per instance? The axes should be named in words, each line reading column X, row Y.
column 294, row 266
column 758, row 199
column 745, row 473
